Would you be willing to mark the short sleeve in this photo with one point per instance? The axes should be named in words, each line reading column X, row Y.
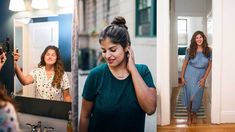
column 8, row 119
column 65, row 82
column 186, row 55
column 89, row 90
column 33, row 73
column 147, row 77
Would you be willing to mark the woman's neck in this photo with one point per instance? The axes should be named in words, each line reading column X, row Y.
column 49, row 68
column 120, row 71
column 199, row 48
column 121, row 67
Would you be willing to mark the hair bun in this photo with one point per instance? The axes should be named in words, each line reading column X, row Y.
column 120, row 21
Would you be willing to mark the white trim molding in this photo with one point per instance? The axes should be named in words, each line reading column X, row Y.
column 216, row 63
column 163, row 60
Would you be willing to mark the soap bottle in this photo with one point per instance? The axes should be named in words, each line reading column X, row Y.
column 69, row 123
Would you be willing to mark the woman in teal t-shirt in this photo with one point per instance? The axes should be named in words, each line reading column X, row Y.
column 117, row 95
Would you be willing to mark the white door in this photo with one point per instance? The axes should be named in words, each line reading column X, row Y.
column 40, row 36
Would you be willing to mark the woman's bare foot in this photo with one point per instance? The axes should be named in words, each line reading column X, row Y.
column 194, row 117
column 189, row 120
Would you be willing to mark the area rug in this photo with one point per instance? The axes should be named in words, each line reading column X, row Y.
column 181, row 111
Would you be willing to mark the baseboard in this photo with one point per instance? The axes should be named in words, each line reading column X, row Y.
column 228, row 117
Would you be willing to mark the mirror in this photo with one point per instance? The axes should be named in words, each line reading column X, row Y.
column 31, row 36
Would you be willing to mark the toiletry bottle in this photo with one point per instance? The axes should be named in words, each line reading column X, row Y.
column 69, row 124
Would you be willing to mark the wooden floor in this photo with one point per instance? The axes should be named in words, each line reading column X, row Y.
column 202, row 125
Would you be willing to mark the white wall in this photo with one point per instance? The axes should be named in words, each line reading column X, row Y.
column 174, row 48
column 144, row 47
column 190, row 7
column 194, row 24
column 163, row 61
column 223, row 48
column 223, row 81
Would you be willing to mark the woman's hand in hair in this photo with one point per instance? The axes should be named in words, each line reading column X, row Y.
column 130, row 59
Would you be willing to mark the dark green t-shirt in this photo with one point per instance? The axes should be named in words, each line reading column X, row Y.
column 116, row 108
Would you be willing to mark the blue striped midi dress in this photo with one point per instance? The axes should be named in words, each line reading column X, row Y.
column 193, row 73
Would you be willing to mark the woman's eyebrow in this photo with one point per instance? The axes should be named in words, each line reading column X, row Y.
column 112, row 47
column 109, row 47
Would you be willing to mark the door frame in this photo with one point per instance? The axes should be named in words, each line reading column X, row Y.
column 163, row 61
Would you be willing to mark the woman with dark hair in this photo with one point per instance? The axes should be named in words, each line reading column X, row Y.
column 8, row 116
column 117, row 95
column 49, row 78
column 195, row 69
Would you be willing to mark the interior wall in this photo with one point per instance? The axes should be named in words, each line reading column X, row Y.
column 174, row 47
column 227, row 55
column 163, row 61
column 194, row 24
column 190, row 7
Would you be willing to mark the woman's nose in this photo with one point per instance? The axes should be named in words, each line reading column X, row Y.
column 108, row 54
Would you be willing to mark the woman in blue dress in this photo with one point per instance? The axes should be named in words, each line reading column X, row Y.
column 117, row 95
column 195, row 69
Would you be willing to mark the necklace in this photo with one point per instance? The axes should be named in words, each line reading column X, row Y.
column 120, row 76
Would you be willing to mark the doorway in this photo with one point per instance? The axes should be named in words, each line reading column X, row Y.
column 169, row 53
column 196, row 16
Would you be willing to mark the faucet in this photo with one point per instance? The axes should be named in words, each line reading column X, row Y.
column 35, row 128
column 48, row 129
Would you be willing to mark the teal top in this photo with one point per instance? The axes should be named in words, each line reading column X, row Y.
column 116, row 108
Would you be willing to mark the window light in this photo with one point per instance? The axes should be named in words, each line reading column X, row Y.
column 17, row 5
column 39, row 4
column 65, row 3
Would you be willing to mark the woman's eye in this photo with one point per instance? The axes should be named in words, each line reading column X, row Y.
column 113, row 50
column 104, row 51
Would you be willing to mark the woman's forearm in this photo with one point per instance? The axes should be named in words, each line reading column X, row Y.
column 66, row 94
column 83, row 124
column 208, row 69
column 24, row 80
column 146, row 96
column 185, row 63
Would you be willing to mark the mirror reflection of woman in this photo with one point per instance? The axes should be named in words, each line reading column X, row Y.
column 117, row 95
column 195, row 69
column 50, row 79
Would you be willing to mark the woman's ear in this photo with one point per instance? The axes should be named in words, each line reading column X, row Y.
column 127, row 48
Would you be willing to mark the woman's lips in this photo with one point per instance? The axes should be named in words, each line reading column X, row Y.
column 110, row 61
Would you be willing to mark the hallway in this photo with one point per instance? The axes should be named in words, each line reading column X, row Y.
column 203, row 124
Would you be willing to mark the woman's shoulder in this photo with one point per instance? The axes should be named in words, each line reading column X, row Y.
column 2, row 104
column 141, row 67
column 41, row 68
column 38, row 70
column 6, row 105
column 98, row 69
